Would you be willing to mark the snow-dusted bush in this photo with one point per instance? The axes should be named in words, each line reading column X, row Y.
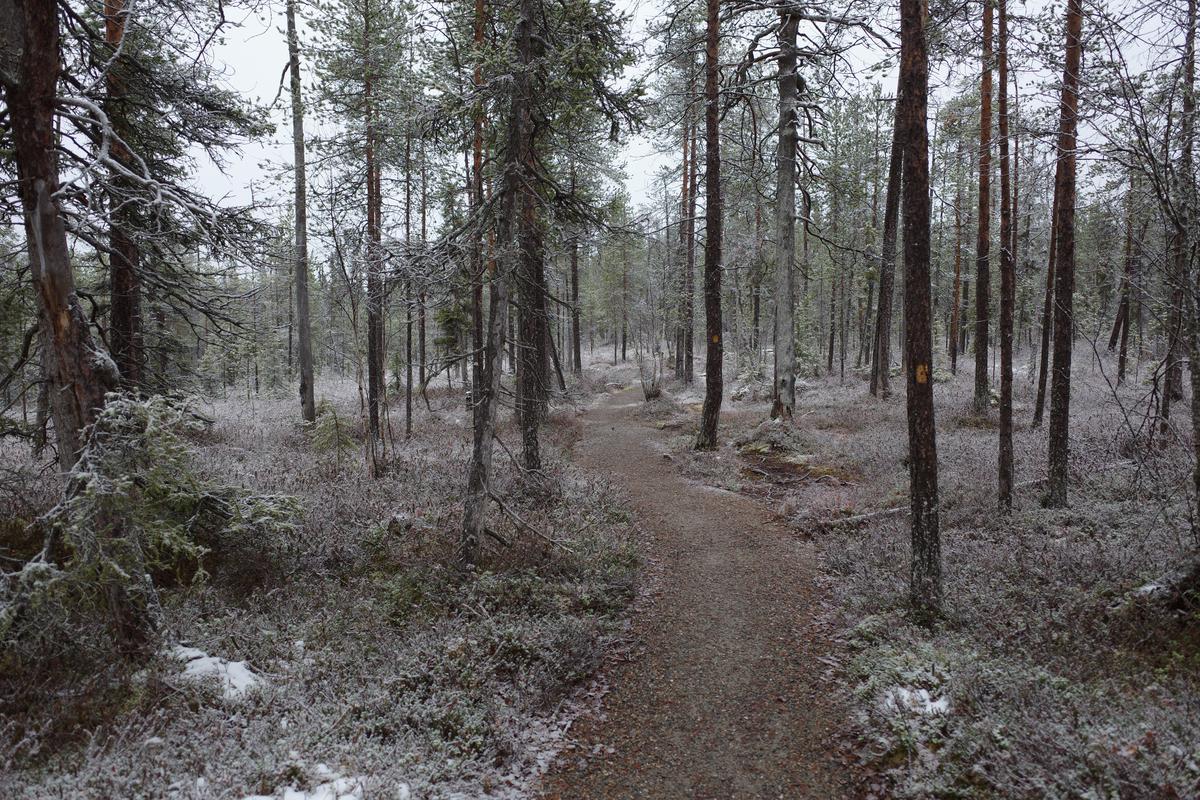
column 134, row 517
column 376, row 660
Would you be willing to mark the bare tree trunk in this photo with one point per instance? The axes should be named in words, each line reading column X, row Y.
column 408, row 360
column 487, row 404
column 689, row 275
column 624, row 302
column 881, row 372
column 983, row 398
column 421, row 291
column 956, row 297
column 79, row 370
column 1064, row 268
column 532, row 332
column 375, row 357
column 1048, row 306
column 706, row 439
column 1008, row 282
column 576, row 349
column 308, row 409
column 476, row 195
column 785, row 226
column 1016, row 174
column 926, row 575
column 681, row 332
column 1120, row 332
column 530, row 282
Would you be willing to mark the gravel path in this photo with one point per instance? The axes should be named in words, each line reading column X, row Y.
column 726, row 701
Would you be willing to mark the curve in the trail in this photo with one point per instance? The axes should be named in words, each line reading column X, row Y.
column 727, row 700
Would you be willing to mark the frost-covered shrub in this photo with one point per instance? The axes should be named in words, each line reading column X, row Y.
column 134, row 517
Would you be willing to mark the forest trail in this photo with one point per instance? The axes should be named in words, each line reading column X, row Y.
column 726, row 701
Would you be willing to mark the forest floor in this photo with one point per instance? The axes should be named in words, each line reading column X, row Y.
column 767, row 653
column 729, row 696
column 1060, row 666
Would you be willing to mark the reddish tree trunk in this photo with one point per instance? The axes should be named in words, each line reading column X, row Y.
column 926, row 574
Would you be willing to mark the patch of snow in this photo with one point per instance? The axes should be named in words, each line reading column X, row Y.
column 236, row 677
column 336, row 789
column 915, row 701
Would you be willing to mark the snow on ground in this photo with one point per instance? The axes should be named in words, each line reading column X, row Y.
column 904, row 699
column 235, row 677
column 335, row 787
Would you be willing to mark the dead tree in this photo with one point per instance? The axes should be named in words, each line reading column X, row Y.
column 308, row 409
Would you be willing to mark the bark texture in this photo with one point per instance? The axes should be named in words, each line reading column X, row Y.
column 1008, row 282
column 982, row 400
column 926, row 574
column 785, row 226
column 308, row 408
column 710, row 415
column 1064, row 268
column 78, row 368
column 881, row 367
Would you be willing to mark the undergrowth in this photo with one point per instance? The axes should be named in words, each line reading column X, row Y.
column 378, row 658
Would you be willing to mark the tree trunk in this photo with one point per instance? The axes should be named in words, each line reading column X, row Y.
column 476, row 200
column 375, row 356
column 689, row 275
column 1064, row 268
column 1008, row 281
column 785, row 226
column 77, row 367
column 983, row 398
column 408, row 359
column 576, row 349
column 624, row 302
column 956, row 297
column 926, row 575
column 1121, row 328
column 881, row 371
column 706, row 439
column 487, row 405
column 1048, row 305
column 532, row 329
column 684, row 260
column 308, row 409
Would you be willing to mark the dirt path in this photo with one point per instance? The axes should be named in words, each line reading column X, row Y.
column 727, row 699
